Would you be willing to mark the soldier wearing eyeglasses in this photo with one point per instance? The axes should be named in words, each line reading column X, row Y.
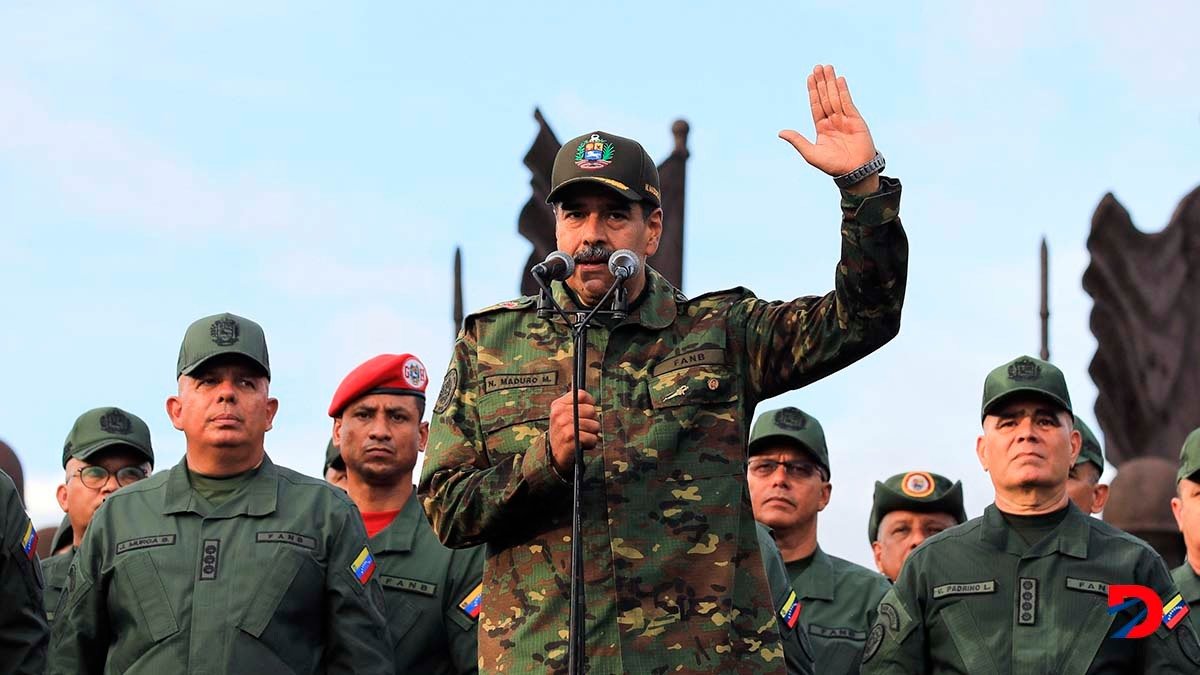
column 107, row 449
column 788, row 475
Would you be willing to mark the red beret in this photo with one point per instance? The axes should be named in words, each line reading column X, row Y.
column 383, row 374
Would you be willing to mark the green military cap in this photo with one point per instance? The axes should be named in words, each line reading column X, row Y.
column 791, row 424
column 1090, row 451
column 1025, row 375
column 333, row 457
column 222, row 334
column 612, row 161
column 1189, row 457
column 63, row 536
column 920, row 491
column 102, row 428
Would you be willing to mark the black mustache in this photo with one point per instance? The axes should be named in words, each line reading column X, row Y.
column 593, row 254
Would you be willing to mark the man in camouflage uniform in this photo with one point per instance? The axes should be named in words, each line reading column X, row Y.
column 23, row 629
column 107, row 448
column 226, row 563
column 1083, row 484
column 431, row 592
column 1186, row 507
column 788, row 476
column 673, row 574
column 907, row 509
column 1024, row 588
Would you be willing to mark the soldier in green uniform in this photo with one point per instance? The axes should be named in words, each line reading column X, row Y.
column 788, row 474
column 797, row 648
column 1083, row 484
column 226, row 563
column 1186, row 507
column 335, row 467
column 23, row 629
column 673, row 576
column 1024, row 587
column 432, row 593
column 907, row 509
column 106, row 449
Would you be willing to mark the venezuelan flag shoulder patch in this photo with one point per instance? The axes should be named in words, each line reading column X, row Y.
column 1174, row 611
column 29, row 541
column 790, row 612
column 471, row 604
column 363, row 566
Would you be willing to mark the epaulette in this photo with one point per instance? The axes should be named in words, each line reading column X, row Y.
column 519, row 303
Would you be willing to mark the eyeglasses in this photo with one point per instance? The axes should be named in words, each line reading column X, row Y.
column 95, row 477
column 762, row 468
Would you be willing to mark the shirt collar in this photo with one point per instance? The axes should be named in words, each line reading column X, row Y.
column 656, row 310
column 258, row 498
column 816, row 582
column 1071, row 537
column 401, row 534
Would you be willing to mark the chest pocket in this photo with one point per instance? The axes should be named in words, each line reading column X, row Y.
column 279, row 611
column 137, row 573
column 696, row 430
column 403, row 613
column 512, row 419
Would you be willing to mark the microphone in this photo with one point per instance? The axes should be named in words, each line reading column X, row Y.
column 556, row 267
column 623, row 263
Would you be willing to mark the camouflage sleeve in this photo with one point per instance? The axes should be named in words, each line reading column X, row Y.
column 790, row 344
column 1174, row 646
column 896, row 642
column 23, row 629
column 461, row 613
column 80, row 637
column 356, row 639
column 467, row 498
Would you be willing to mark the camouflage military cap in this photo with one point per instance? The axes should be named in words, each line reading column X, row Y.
column 919, row 491
column 219, row 335
column 63, row 536
column 102, row 428
column 333, row 457
column 791, row 425
column 1090, row 451
column 1189, row 457
column 620, row 164
column 1025, row 375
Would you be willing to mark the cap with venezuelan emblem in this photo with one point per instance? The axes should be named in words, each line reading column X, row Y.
column 919, row 491
column 1025, row 375
column 1189, row 457
column 383, row 374
column 102, row 428
column 790, row 424
column 219, row 335
column 615, row 162
column 333, row 457
column 1090, row 451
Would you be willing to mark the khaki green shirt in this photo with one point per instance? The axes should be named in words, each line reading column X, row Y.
column 54, row 571
column 839, row 601
column 976, row 599
column 430, row 594
column 23, row 629
column 277, row 579
column 797, row 649
column 673, row 575
column 1188, row 583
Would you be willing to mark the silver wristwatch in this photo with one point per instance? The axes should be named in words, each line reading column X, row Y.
column 874, row 166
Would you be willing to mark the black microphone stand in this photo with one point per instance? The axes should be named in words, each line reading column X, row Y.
column 578, row 322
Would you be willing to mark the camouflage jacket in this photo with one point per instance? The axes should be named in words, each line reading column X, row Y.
column 673, row 575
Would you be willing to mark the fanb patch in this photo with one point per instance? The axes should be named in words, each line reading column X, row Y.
column 790, row 611
column 917, row 484
column 449, row 388
column 471, row 604
column 224, row 332
column 116, row 422
column 363, row 566
column 791, row 419
column 594, row 153
column 1023, row 370
column 29, row 541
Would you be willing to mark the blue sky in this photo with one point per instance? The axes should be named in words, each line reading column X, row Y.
column 313, row 168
